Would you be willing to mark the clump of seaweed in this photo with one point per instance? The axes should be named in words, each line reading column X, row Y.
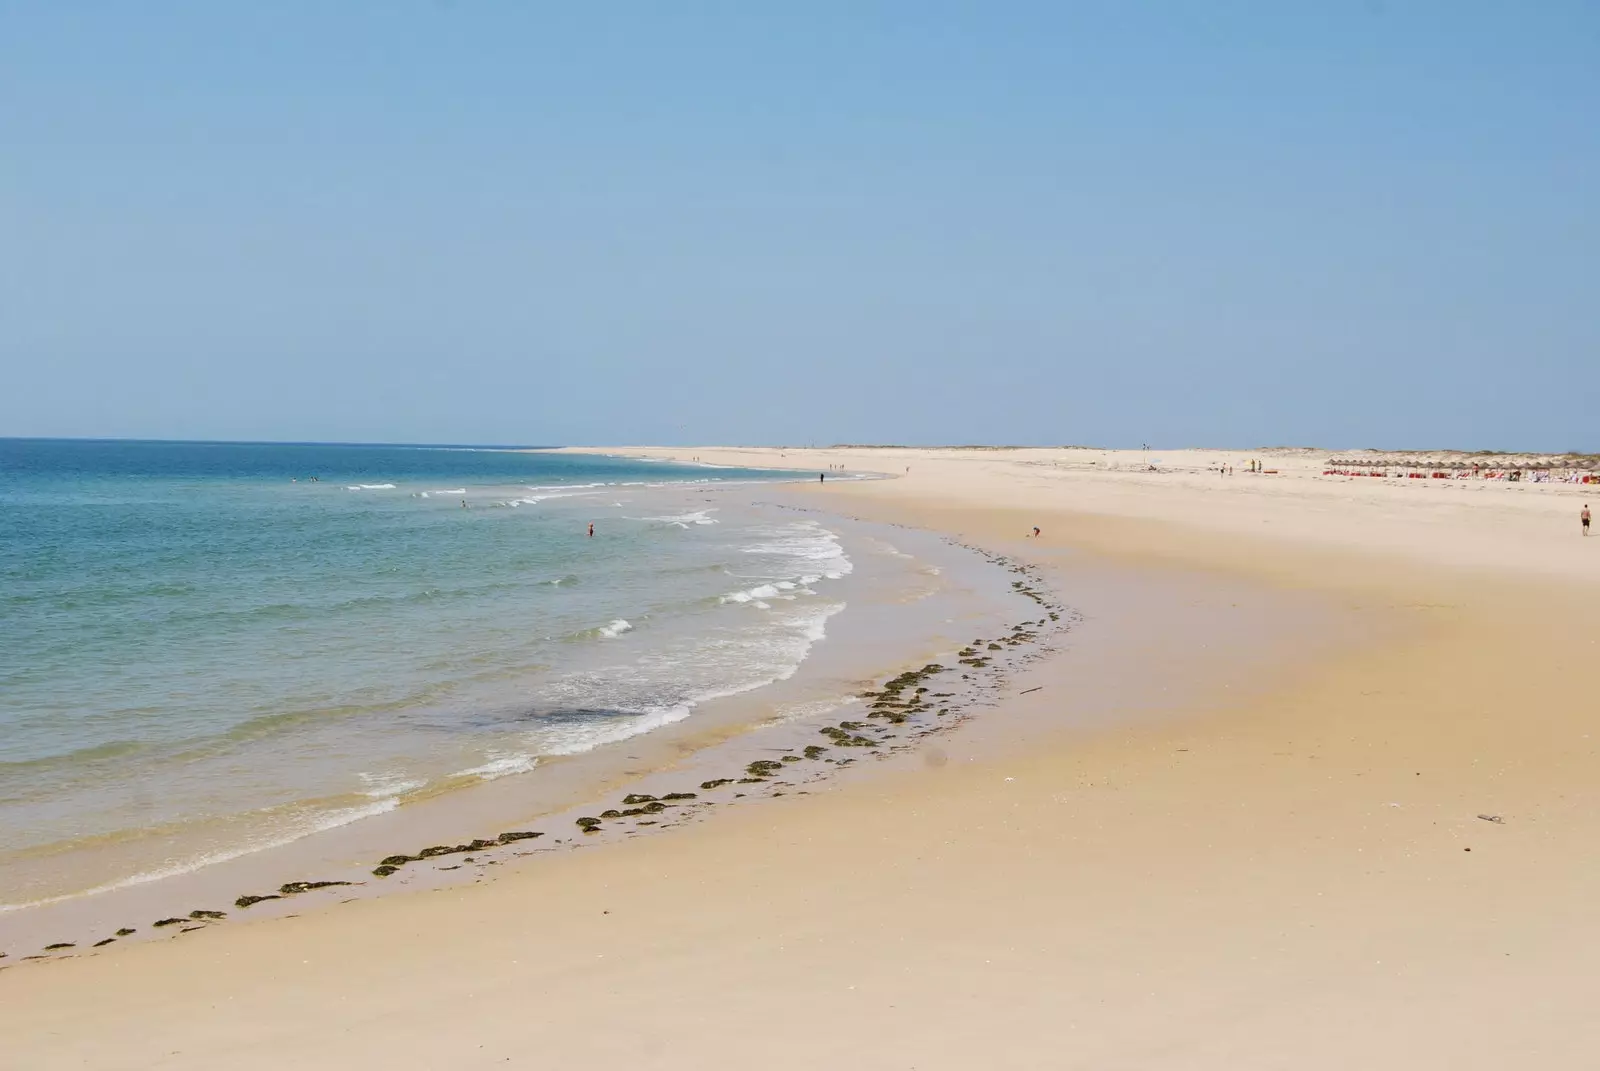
column 295, row 887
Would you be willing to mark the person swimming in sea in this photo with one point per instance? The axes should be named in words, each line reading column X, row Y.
column 591, row 529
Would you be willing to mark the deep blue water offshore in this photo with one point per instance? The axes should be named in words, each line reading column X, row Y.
column 207, row 648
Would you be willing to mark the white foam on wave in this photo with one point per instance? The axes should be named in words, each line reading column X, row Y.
column 575, row 740
column 371, row 487
column 760, row 591
column 534, row 500
column 317, row 824
column 777, row 652
column 804, row 628
column 685, row 483
column 500, row 765
column 809, row 545
column 815, row 630
column 384, row 786
column 684, row 520
column 615, row 629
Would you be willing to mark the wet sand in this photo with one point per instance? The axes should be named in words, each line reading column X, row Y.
column 1329, row 804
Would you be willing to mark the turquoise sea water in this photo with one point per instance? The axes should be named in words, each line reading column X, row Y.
column 208, row 648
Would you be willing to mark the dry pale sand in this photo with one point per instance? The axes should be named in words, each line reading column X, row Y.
column 1288, row 876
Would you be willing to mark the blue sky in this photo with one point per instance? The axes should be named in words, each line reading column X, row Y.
column 1343, row 224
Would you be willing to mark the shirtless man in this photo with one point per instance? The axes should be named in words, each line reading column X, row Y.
column 1584, row 517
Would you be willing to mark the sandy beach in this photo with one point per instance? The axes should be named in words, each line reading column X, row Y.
column 1315, row 787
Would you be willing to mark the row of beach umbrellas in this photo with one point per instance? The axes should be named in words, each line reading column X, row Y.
column 1499, row 465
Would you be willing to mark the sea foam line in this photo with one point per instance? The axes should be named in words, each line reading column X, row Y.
column 683, row 520
column 500, row 766
column 332, row 820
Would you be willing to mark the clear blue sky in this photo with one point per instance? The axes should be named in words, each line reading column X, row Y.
column 1341, row 223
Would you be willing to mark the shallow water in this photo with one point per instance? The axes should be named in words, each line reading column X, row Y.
column 206, row 649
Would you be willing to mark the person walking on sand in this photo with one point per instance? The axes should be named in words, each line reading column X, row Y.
column 1584, row 517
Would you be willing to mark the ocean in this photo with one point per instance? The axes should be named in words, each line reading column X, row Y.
column 207, row 649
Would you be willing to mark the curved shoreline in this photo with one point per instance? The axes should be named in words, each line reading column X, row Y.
column 1264, row 861
column 487, row 824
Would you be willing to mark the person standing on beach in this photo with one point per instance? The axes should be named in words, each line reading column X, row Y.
column 1584, row 517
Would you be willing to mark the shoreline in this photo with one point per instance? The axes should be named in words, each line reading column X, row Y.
column 1368, row 850
column 497, row 822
